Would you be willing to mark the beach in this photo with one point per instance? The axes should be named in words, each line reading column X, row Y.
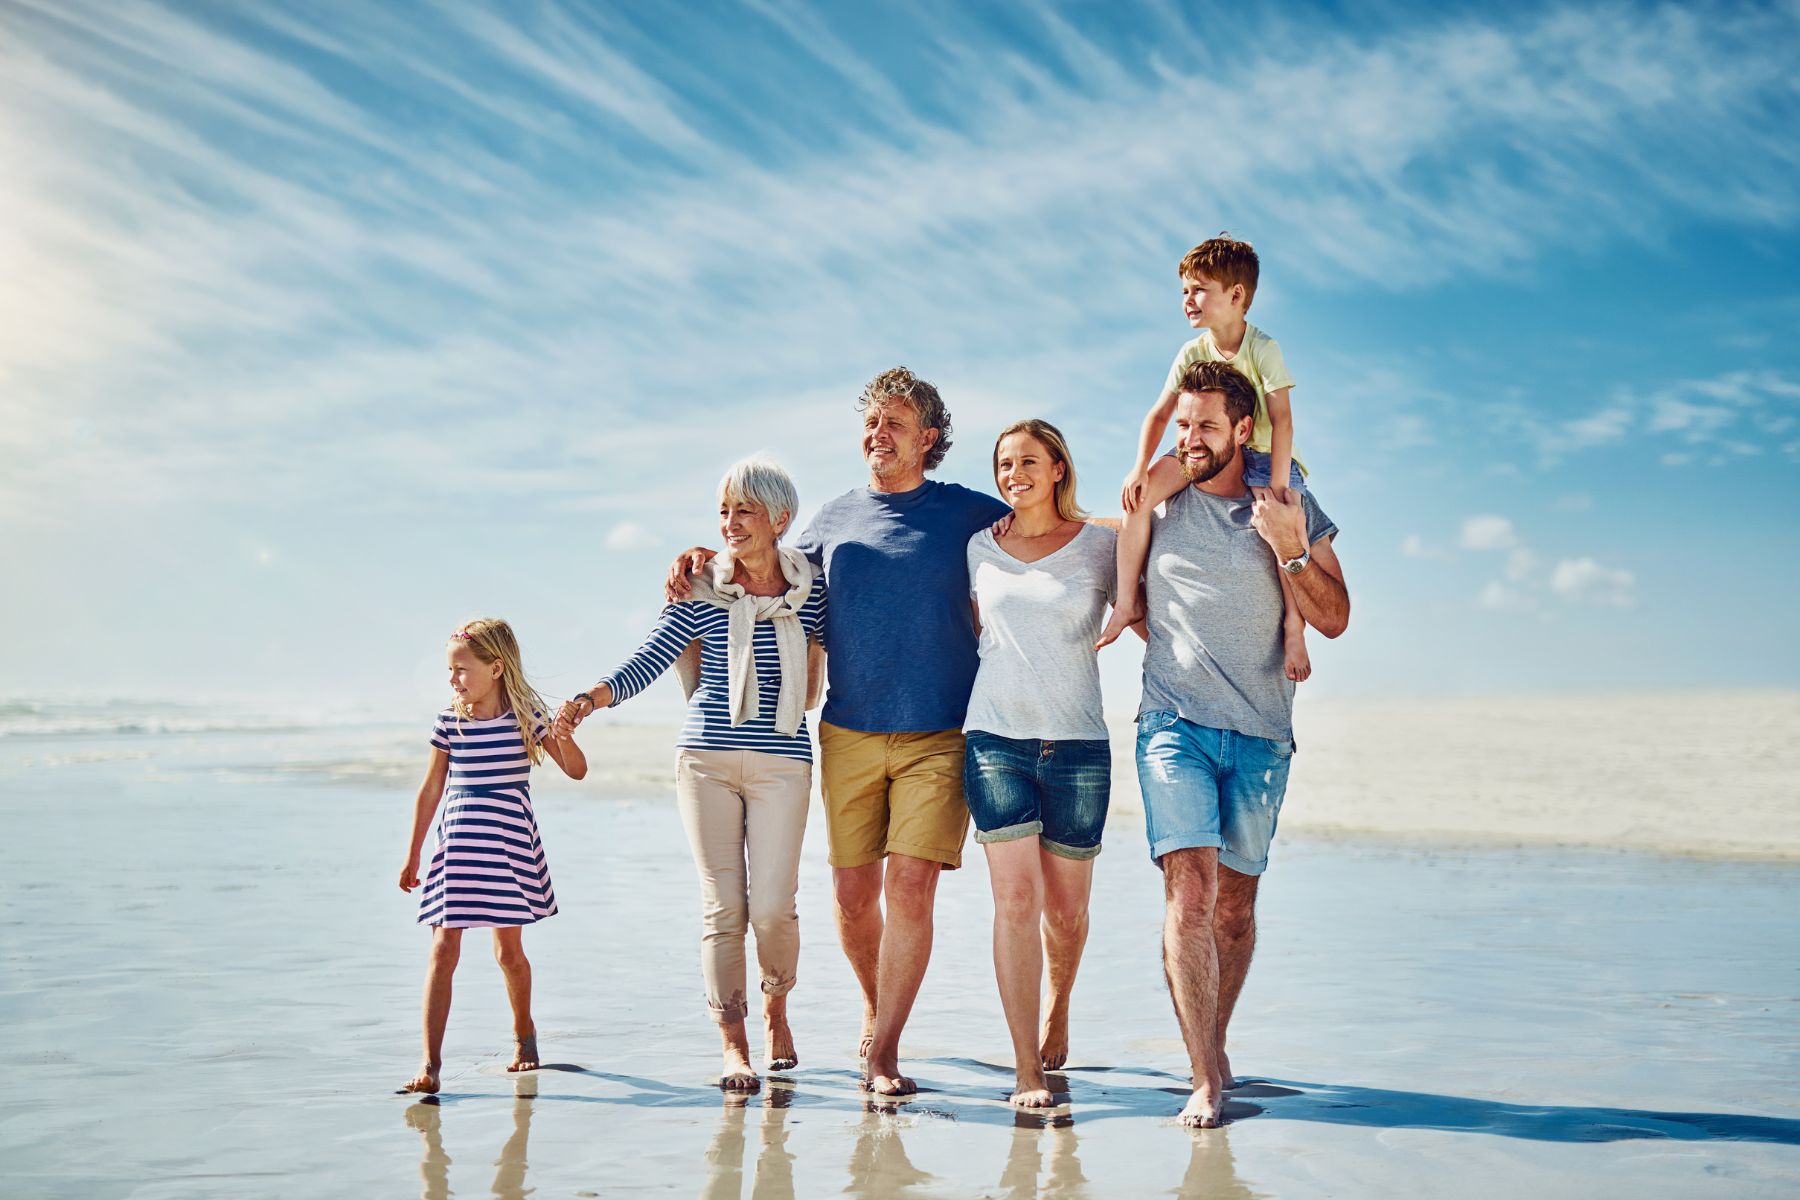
column 1498, row 955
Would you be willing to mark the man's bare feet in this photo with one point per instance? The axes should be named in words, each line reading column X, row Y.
column 426, row 1081
column 884, row 1078
column 1124, row 615
column 778, row 1042
column 1205, row 1107
column 1033, row 1091
column 1053, row 1047
column 1295, row 662
column 525, row 1052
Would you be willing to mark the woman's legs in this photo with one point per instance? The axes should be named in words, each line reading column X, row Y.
column 708, row 791
column 1018, row 882
column 446, row 948
column 778, row 792
column 1067, row 883
column 509, row 952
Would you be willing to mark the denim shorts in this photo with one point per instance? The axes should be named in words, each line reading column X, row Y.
column 1257, row 474
column 1056, row 790
column 1210, row 787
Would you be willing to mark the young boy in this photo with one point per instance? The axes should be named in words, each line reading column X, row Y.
column 1218, row 282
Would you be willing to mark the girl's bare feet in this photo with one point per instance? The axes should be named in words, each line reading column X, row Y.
column 1295, row 662
column 426, row 1081
column 778, row 1039
column 525, row 1052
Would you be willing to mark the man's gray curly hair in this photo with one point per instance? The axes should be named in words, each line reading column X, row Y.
column 901, row 384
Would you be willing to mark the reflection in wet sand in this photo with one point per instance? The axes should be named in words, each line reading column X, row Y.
column 774, row 1172
column 1211, row 1172
column 1042, row 1161
column 434, row 1163
column 879, row 1168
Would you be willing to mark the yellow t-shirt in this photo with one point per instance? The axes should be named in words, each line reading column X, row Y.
column 1259, row 358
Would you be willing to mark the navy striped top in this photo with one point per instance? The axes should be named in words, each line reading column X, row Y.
column 708, row 725
column 485, row 754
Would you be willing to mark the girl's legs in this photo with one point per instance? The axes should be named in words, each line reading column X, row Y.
column 1296, row 663
column 709, row 793
column 1018, row 881
column 446, row 948
column 1067, row 882
column 775, row 806
column 509, row 952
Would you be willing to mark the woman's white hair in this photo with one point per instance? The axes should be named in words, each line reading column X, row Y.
column 760, row 480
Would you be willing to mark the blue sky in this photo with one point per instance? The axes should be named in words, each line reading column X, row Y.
column 325, row 327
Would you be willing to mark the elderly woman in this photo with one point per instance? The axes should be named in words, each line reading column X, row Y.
column 1038, row 771
column 743, row 767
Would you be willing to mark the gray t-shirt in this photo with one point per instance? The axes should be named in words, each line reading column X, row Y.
column 1039, row 676
column 1214, row 610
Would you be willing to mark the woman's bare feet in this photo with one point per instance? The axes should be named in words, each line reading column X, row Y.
column 426, row 1081
column 884, row 1078
column 525, row 1052
column 778, row 1039
column 1295, row 662
column 1205, row 1107
column 1053, row 1047
column 1033, row 1091
column 737, row 1075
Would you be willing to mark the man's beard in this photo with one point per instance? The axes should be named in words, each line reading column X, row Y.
column 1200, row 469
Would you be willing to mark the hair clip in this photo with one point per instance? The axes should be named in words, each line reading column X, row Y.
column 463, row 634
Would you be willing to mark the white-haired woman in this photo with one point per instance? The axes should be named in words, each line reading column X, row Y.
column 747, row 645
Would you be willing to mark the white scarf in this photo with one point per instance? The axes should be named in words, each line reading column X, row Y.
column 713, row 585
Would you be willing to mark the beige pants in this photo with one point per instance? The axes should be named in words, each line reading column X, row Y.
column 745, row 814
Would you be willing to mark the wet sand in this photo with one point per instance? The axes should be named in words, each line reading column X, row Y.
column 210, row 989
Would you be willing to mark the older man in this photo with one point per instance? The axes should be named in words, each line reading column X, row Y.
column 901, row 663
column 1215, row 731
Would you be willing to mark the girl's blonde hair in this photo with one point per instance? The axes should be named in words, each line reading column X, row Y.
column 491, row 640
column 1052, row 438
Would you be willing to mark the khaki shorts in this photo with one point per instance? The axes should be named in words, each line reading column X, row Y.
column 893, row 793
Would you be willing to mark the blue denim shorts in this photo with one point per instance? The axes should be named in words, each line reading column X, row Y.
column 1257, row 473
column 1210, row 787
column 1056, row 790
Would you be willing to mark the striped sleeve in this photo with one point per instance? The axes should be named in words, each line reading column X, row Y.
column 668, row 638
column 812, row 613
column 538, row 728
column 440, row 734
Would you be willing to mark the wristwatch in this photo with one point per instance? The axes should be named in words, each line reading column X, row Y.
column 1293, row 566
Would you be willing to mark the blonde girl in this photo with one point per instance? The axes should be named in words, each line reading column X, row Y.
column 488, row 871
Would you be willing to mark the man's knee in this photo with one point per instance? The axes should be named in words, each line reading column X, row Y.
column 1234, row 909
column 857, row 890
column 911, row 885
column 1191, row 883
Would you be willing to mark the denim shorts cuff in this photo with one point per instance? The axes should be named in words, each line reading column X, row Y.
column 1078, row 853
column 1242, row 866
column 1183, row 841
column 1010, row 833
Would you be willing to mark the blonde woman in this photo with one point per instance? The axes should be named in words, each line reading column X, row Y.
column 1038, row 772
column 488, row 871
column 743, row 767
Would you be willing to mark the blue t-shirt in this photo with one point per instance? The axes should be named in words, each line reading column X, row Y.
column 900, row 639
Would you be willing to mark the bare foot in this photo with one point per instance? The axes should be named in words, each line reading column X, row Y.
column 1295, row 662
column 738, row 1075
column 1053, row 1047
column 525, row 1052
column 1125, row 614
column 884, row 1077
column 425, row 1081
column 1033, row 1091
column 778, row 1043
column 1204, row 1107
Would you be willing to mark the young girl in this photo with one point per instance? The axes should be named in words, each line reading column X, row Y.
column 488, row 871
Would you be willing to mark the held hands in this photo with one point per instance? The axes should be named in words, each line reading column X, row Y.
column 567, row 718
column 1281, row 520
